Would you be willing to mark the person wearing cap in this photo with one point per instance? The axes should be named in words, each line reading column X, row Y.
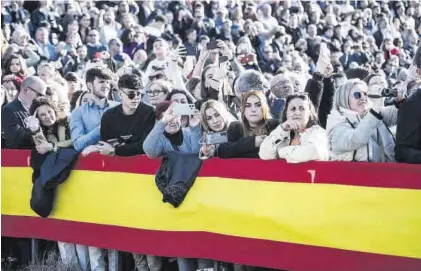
column 136, row 119
column 15, row 114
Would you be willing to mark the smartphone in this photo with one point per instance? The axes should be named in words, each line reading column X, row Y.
column 184, row 109
column 216, row 138
column 113, row 142
column 212, row 45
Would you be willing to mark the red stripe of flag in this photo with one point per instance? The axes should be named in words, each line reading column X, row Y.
column 254, row 252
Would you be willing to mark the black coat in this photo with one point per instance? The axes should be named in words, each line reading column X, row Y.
column 176, row 176
column 240, row 146
column 408, row 133
column 131, row 131
column 321, row 91
column 50, row 170
column 13, row 127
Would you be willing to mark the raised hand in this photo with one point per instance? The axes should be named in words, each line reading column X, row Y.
column 168, row 115
column 32, row 122
column 291, row 125
column 180, row 51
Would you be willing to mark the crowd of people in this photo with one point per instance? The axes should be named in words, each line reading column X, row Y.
column 294, row 80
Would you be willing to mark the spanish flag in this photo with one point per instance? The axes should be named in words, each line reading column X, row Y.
column 312, row 216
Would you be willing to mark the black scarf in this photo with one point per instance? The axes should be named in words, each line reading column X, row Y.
column 175, row 139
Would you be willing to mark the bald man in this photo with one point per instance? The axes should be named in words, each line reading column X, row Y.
column 13, row 115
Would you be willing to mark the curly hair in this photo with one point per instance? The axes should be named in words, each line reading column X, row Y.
column 38, row 102
column 100, row 72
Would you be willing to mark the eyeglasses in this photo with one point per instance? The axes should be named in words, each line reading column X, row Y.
column 154, row 92
column 132, row 94
column 358, row 94
column 34, row 90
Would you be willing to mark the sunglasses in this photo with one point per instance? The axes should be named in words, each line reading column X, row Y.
column 358, row 94
column 132, row 94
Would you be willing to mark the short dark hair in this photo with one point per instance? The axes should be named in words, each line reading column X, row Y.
column 190, row 30
column 131, row 81
column 160, row 18
column 178, row 91
column 204, row 37
column 100, row 72
column 71, row 77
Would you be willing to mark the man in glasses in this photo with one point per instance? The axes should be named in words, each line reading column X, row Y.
column 135, row 120
column 15, row 115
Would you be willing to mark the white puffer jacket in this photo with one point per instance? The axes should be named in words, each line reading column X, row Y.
column 313, row 146
column 345, row 141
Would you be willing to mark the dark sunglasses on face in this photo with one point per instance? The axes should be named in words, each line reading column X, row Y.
column 132, row 94
column 358, row 94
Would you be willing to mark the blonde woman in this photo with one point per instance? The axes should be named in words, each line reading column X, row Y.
column 298, row 138
column 356, row 131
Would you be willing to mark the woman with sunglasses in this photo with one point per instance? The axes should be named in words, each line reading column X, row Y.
column 356, row 131
column 135, row 120
column 298, row 138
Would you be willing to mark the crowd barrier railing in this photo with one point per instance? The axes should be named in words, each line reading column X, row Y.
column 310, row 216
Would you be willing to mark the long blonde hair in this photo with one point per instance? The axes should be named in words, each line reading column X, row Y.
column 218, row 107
column 261, row 129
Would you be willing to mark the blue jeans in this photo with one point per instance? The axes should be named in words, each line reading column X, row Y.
column 73, row 254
